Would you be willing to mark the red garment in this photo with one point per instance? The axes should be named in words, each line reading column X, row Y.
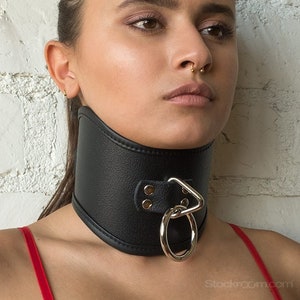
column 46, row 290
column 37, row 264
column 271, row 284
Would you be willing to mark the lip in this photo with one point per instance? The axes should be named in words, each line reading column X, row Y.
column 192, row 94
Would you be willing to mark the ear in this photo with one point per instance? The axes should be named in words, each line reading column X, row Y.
column 58, row 57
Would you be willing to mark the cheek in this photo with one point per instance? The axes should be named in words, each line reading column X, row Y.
column 135, row 65
column 231, row 66
column 118, row 69
column 118, row 81
column 228, row 66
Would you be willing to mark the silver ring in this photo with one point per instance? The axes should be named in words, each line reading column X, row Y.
column 169, row 214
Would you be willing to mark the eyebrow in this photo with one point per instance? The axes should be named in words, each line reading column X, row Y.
column 172, row 4
column 213, row 8
column 210, row 8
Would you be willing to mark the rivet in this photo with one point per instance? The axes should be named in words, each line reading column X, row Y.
column 184, row 191
column 147, row 204
column 149, row 190
column 185, row 202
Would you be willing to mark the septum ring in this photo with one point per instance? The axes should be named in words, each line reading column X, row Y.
column 202, row 70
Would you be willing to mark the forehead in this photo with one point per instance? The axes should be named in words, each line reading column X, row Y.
column 108, row 9
column 172, row 4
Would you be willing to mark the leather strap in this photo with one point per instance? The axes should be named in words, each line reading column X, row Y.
column 165, row 195
column 111, row 175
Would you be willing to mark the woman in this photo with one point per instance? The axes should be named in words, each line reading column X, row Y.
column 156, row 80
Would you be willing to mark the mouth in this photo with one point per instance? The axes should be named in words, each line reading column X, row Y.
column 193, row 94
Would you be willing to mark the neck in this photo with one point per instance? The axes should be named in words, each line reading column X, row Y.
column 123, row 190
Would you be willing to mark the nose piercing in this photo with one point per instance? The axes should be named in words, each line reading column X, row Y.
column 202, row 70
column 192, row 68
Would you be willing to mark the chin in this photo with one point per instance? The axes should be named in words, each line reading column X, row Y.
column 190, row 139
column 183, row 143
column 187, row 133
column 184, row 135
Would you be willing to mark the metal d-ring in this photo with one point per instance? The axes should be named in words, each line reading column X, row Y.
column 177, row 212
column 164, row 233
column 200, row 200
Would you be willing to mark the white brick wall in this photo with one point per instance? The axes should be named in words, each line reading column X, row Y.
column 256, row 175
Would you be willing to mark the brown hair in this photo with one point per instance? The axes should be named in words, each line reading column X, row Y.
column 69, row 24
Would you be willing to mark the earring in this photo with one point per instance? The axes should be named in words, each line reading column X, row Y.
column 65, row 93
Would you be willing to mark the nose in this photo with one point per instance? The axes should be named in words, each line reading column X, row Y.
column 189, row 51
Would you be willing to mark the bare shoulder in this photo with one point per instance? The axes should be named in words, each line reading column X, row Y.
column 14, row 266
column 283, row 250
column 10, row 250
column 281, row 256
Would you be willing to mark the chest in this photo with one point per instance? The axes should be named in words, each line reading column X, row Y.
column 120, row 282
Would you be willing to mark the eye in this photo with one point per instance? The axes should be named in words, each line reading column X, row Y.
column 219, row 32
column 148, row 23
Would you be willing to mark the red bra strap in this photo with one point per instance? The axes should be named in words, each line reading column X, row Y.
column 37, row 264
column 272, row 286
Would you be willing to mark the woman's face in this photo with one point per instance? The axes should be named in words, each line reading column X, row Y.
column 133, row 64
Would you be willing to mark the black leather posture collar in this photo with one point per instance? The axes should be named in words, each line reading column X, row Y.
column 122, row 189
